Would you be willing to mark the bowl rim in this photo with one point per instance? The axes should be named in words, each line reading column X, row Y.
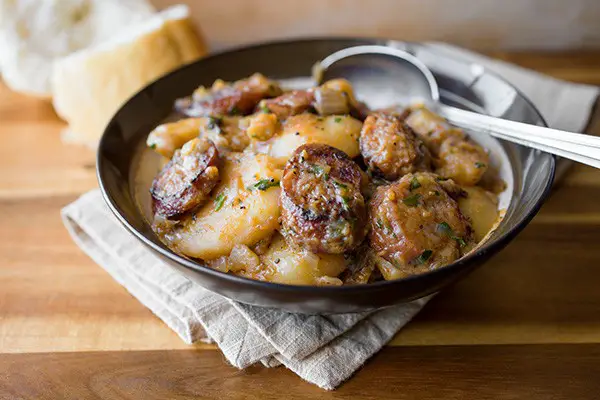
column 491, row 246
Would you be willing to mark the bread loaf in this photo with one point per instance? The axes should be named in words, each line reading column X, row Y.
column 90, row 85
column 33, row 33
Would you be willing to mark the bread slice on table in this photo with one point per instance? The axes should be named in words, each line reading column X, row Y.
column 90, row 85
column 33, row 33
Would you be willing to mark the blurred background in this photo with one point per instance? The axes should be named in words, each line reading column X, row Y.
column 480, row 24
column 89, row 56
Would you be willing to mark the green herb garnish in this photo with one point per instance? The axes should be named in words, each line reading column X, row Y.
column 444, row 228
column 461, row 242
column 319, row 171
column 338, row 119
column 340, row 185
column 441, row 179
column 153, row 146
column 414, row 183
column 424, row 256
column 338, row 227
column 413, row 200
column 264, row 184
column 219, row 201
column 346, row 202
column 316, row 169
column 265, row 109
column 214, row 122
column 479, row 165
column 379, row 223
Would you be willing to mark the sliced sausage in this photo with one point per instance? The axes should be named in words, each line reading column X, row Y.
column 239, row 98
column 331, row 98
column 322, row 207
column 390, row 148
column 290, row 103
column 186, row 181
column 416, row 225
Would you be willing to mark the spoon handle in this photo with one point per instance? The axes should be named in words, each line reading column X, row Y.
column 574, row 146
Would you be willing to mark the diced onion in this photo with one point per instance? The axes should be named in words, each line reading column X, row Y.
column 331, row 101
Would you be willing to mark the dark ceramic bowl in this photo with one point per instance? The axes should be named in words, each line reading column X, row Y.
column 462, row 84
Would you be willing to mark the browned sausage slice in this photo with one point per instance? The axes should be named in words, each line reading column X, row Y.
column 239, row 98
column 322, row 207
column 390, row 148
column 416, row 225
column 290, row 103
column 186, row 181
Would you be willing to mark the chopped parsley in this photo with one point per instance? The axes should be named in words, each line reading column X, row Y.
column 379, row 223
column 346, row 202
column 340, row 185
column 338, row 228
column 219, row 201
column 234, row 110
column 153, row 146
column 444, row 228
column 424, row 256
column 338, row 119
column 318, row 171
column 264, row 184
column 265, row 109
column 479, row 165
column 214, row 122
column 414, row 183
column 413, row 200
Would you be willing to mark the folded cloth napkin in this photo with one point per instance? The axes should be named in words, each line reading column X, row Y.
column 324, row 350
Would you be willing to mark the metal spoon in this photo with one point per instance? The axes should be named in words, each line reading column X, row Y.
column 384, row 76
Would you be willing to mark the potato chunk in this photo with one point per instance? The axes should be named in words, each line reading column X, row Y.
column 481, row 208
column 166, row 138
column 300, row 267
column 242, row 209
column 339, row 131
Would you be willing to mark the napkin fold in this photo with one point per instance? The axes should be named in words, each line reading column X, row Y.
column 324, row 350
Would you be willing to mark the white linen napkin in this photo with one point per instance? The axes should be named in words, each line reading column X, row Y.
column 324, row 350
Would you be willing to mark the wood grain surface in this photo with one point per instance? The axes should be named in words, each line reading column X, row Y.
column 549, row 372
column 526, row 325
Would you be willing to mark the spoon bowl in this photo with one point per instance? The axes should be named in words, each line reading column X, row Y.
column 384, row 76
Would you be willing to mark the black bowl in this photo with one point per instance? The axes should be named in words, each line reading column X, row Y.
column 461, row 84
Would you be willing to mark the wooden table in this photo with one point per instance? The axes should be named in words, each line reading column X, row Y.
column 527, row 325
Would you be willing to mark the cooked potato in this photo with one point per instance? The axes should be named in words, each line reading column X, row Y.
column 300, row 267
column 481, row 208
column 339, row 131
column 227, row 133
column 262, row 126
column 167, row 138
column 432, row 128
column 242, row 209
